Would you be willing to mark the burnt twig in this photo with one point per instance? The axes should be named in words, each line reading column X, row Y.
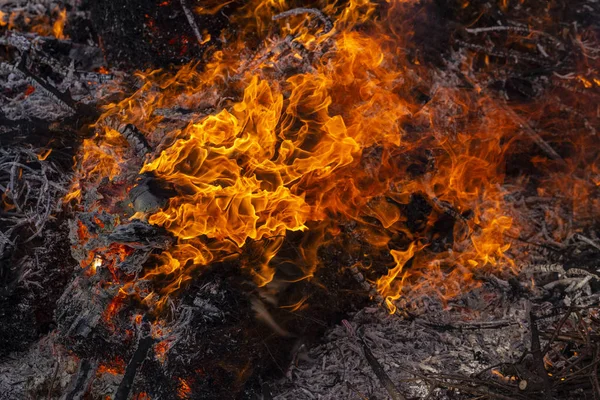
column 192, row 22
column 384, row 379
column 136, row 361
column 538, row 357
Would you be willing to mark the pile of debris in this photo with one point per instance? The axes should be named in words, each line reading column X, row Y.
column 355, row 199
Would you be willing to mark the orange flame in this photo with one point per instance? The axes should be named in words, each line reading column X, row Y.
column 59, row 24
column 343, row 140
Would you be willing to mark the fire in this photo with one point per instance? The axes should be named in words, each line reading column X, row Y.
column 349, row 132
column 52, row 24
column 59, row 24
column 161, row 349
column 44, row 154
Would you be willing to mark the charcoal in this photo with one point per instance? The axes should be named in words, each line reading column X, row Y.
column 138, row 234
column 136, row 140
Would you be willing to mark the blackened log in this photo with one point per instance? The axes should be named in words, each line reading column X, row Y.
column 80, row 384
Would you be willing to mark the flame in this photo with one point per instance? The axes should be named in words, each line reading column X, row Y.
column 504, row 378
column 349, row 131
column 59, row 24
column 44, row 154
column 21, row 20
column 395, row 277
column 160, row 350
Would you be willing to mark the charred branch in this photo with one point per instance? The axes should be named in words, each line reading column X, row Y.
column 136, row 140
column 190, row 17
column 144, row 343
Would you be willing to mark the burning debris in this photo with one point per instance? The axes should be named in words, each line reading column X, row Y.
column 417, row 181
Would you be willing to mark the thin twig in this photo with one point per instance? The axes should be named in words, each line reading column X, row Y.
column 192, row 22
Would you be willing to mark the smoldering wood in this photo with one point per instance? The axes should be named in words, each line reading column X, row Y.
column 80, row 385
column 416, row 353
column 136, row 140
column 149, row 194
column 143, row 346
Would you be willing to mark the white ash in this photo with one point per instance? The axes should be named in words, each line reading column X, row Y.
column 44, row 371
column 337, row 368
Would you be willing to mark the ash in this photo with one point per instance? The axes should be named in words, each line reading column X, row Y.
column 482, row 329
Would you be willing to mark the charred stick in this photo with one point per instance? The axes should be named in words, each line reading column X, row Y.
column 380, row 373
column 594, row 375
column 579, row 373
column 475, row 391
column 509, row 54
column 135, row 362
column 534, row 136
column 587, row 240
column 557, row 330
column 52, row 382
column 327, row 24
column 538, row 357
column 563, row 337
column 469, row 325
column 355, row 390
column 192, row 22
column 448, row 209
column 521, row 29
column 582, row 328
column 384, row 379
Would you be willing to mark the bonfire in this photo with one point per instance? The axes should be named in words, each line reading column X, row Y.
column 274, row 199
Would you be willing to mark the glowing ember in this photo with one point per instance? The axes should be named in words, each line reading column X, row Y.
column 117, row 367
column 44, row 25
column 184, row 390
